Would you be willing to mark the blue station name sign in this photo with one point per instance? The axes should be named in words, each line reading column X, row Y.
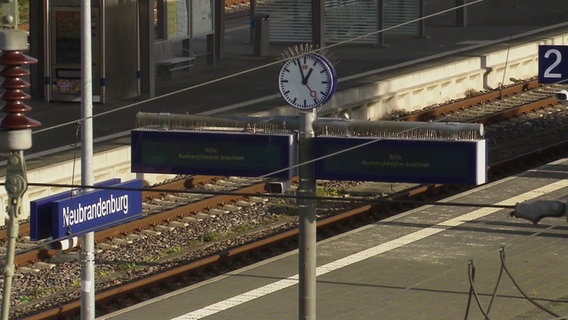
column 95, row 210
column 212, row 153
column 400, row 160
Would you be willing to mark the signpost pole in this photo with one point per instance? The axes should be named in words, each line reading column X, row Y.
column 87, row 253
column 307, row 217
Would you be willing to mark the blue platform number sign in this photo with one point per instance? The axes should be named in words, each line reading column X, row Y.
column 552, row 64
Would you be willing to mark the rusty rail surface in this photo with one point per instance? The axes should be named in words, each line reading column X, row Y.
column 182, row 271
column 291, row 235
column 34, row 255
column 434, row 113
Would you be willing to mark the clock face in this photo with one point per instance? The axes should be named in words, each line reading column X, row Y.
column 307, row 81
column 333, row 75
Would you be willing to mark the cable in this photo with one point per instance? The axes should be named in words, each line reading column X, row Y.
column 264, row 66
column 371, row 141
column 231, row 76
column 279, row 61
column 76, row 149
column 531, row 300
column 46, row 242
column 472, row 291
column 494, row 294
column 470, row 294
column 354, row 199
column 502, row 86
column 402, row 24
column 274, row 195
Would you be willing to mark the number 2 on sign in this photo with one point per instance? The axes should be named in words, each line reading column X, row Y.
column 549, row 72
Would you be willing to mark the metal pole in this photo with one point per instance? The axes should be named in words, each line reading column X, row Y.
column 87, row 254
column 16, row 185
column 461, row 13
column 218, row 32
column 422, row 22
column 381, row 23
column 251, row 21
column 15, row 136
column 307, row 217
column 318, row 23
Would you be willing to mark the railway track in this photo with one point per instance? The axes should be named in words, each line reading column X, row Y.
column 494, row 106
column 160, row 211
column 279, row 232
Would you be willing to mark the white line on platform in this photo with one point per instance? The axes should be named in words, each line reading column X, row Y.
column 371, row 252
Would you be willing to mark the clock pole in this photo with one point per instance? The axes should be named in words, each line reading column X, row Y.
column 307, row 217
column 307, row 81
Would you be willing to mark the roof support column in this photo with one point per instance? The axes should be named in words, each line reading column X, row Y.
column 318, row 23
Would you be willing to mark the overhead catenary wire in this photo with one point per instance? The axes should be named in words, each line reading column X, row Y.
column 272, row 195
column 414, row 286
column 319, row 198
column 366, row 200
column 378, row 132
column 240, row 73
column 74, row 186
column 258, row 68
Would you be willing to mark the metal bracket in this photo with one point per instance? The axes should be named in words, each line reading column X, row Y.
column 16, row 183
column 10, row 14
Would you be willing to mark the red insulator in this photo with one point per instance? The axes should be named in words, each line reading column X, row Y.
column 14, row 95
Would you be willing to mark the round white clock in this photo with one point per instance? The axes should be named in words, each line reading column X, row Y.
column 307, row 81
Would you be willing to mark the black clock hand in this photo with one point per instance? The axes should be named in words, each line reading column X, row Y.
column 301, row 71
column 305, row 81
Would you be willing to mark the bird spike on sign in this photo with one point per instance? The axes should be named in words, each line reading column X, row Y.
column 305, row 48
column 298, row 50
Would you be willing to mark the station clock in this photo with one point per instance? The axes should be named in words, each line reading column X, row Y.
column 307, row 81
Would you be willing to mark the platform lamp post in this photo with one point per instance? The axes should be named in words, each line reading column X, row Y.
column 15, row 137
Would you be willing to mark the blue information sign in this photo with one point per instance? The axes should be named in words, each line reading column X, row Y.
column 552, row 64
column 41, row 217
column 95, row 210
column 398, row 160
column 212, row 153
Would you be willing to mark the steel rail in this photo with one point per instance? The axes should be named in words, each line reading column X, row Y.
column 41, row 254
column 516, row 111
column 283, row 237
column 274, row 240
column 181, row 271
column 434, row 113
